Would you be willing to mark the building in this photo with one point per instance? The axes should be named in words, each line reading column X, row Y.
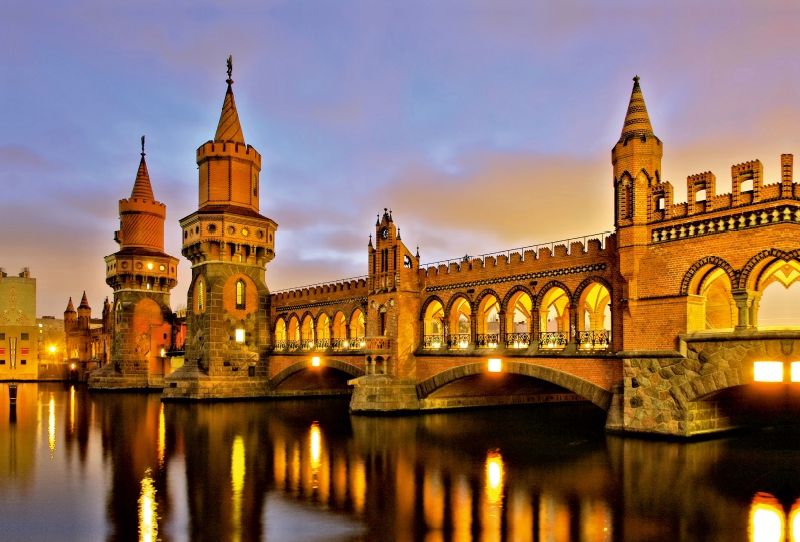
column 86, row 340
column 656, row 322
column 19, row 347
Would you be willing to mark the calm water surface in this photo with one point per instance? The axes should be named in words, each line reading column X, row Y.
column 81, row 466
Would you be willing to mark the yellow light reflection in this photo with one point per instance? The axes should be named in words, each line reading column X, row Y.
column 237, row 482
column 358, row 485
column 315, row 361
column 794, row 522
column 796, row 371
column 316, row 453
column 462, row 511
column 768, row 371
column 51, row 425
column 162, row 430
column 279, row 463
column 494, row 477
column 433, row 499
column 766, row 519
column 148, row 510
column 72, row 409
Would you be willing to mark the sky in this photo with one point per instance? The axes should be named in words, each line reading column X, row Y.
column 483, row 125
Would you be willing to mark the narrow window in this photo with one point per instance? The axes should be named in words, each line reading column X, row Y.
column 746, row 186
column 201, row 295
column 240, row 294
column 24, row 337
column 660, row 204
column 700, row 196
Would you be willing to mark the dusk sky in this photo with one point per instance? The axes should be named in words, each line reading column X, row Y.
column 483, row 125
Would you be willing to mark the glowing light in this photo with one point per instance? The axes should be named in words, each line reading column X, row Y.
column 495, row 365
column 346, row 344
column 436, row 345
column 237, row 482
column 362, row 344
column 794, row 522
column 463, row 344
column 71, row 365
column 239, row 335
column 51, row 425
column 358, row 485
column 162, row 434
column 148, row 510
column 796, row 371
column 768, row 371
column 766, row 519
column 316, row 454
column 72, row 409
column 315, row 361
column 150, row 266
column 52, row 349
column 494, row 477
column 163, row 352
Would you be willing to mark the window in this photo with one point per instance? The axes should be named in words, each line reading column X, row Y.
column 746, row 186
column 24, row 337
column 2, row 362
column 700, row 196
column 660, row 204
column 2, row 336
column 240, row 294
column 24, row 361
column 407, row 261
column 255, row 185
column 201, row 295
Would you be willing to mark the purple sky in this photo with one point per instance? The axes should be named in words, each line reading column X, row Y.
column 483, row 125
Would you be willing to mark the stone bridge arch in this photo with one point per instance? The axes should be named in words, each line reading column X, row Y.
column 343, row 366
column 592, row 392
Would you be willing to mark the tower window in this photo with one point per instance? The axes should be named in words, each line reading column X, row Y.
column 407, row 261
column 255, row 185
column 660, row 204
column 700, row 195
column 746, row 186
column 240, row 294
column 201, row 295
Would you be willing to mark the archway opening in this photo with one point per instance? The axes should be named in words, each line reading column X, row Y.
column 459, row 326
column 307, row 333
column 779, row 305
column 293, row 334
column 322, row 333
column 595, row 324
column 316, row 378
column 554, row 319
column 518, row 321
column 280, row 334
column 488, row 321
column 433, row 326
column 357, row 330
column 339, row 331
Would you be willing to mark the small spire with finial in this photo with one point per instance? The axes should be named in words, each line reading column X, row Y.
column 142, row 145
column 417, row 256
column 378, row 221
column 398, row 234
column 636, row 78
column 370, row 240
column 230, row 70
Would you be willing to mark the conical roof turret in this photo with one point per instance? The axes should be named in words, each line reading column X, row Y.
column 637, row 121
column 70, row 306
column 142, row 189
column 84, row 302
column 229, row 128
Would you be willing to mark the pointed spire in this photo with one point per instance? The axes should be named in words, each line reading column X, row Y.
column 70, row 306
column 417, row 256
column 84, row 302
column 229, row 128
column 370, row 241
column 142, row 188
column 398, row 235
column 637, row 121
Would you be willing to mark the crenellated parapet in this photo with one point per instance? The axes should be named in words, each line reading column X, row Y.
column 332, row 290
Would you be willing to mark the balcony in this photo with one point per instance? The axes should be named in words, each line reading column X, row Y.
column 598, row 339
column 458, row 341
column 487, row 340
column 518, row 340
column 552, row 340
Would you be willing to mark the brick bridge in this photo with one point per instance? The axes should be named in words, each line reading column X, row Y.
column 656, row 323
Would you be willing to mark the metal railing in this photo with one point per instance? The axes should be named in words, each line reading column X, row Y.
column 597, row 339
column 553, row 339
column 432, row 341
column 458, row 340
column 521, row 250
column 518, row 340
column 487, row 340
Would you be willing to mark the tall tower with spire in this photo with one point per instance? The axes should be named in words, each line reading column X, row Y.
column 141, row 275
column 229, row 244
column 636, row 159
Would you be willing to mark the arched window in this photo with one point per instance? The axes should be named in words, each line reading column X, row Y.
column 201, row 295
column 240, row 294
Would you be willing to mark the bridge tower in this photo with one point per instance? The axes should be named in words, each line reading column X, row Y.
column 229, row 244
column 141, row 275
column 636, row 159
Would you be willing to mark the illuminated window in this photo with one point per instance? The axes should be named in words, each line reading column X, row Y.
column 239, row 335
column 201, row 295
column 796, row 371
column 495, row 365
column 240, row 294
column 768, row 371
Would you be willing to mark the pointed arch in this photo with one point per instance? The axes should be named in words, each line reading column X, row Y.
column 452, row 301
column 510, row 294
column 427, row 302
column 714, row 261
column 750, row 274
column 585, row 283
column 549, row 286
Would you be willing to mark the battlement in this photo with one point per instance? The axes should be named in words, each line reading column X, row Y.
column 142, row 206
column 227, row 148
column 525, row 259
column 354, row 286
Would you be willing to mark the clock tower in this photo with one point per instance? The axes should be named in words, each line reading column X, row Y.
column 229, row 244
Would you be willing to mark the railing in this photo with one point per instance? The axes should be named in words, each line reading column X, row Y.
column 322, row 344
column 293, row 344
column 377, row 343
column 432, row 341
column 521, row 250
column 518, row 340
column 357, row 343
column 487, row 340
column 553, row 339
column 306, row 344
column 281, row 345
column 339, row 344
column 597, row 339
column 458, row 340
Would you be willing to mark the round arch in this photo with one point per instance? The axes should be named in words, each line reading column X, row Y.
column 343, row 366
column 594, row 393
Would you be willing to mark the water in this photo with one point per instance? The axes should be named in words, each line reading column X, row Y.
column 80, row 466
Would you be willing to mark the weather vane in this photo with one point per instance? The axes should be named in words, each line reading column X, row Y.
column 230, row 69
column 142, row 145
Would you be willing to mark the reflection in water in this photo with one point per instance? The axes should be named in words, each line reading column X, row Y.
column 766, row 519
column 358, row 485
column 148, row 510
column 315, row 454
column 51, row 426
column 794, row 521
column 162, row 436
column 71, row 409
column 493, row 507
column 237, row 482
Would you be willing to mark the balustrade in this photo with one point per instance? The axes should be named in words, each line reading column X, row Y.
column 458, row 340
column 553, row 339
column 596, row 339
column 432, row 341
column 518, row 340
column 487, row 340
column 281, row 345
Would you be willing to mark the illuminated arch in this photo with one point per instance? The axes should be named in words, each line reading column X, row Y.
column 689, row 284
column 343, row 366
